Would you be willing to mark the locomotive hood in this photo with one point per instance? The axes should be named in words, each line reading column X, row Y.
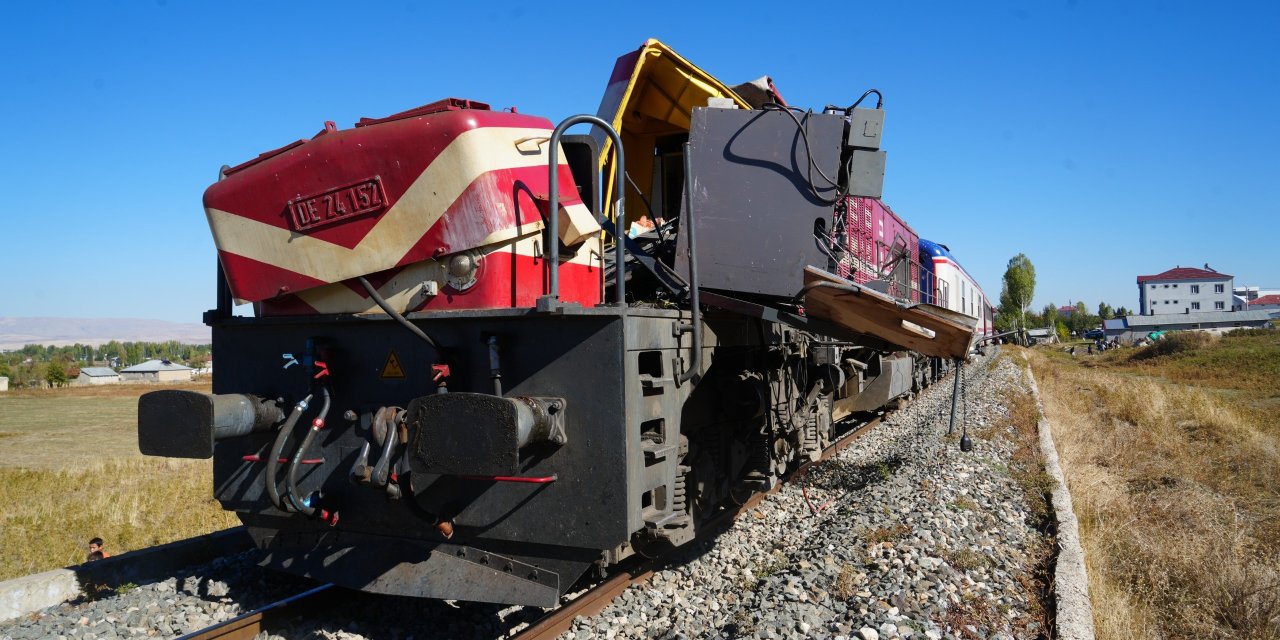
column 420, row 185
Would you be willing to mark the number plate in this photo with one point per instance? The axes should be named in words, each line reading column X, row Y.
column 340, row 204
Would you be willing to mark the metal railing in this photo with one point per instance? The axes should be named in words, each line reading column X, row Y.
column 551, row 252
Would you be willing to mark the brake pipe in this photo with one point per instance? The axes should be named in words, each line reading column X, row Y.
column 257, row 458
column 303, row 505
column 277, row 449
column 521, row 479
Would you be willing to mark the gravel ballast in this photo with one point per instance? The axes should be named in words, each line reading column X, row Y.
column 913, row 539
column 917, row 540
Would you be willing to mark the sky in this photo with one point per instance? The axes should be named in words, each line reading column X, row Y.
column 1103, row 139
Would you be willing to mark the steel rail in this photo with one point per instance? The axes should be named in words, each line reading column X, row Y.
column 248, row 625
column 595, row 599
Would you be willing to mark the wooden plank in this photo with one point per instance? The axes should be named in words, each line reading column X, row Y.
column 930, row 330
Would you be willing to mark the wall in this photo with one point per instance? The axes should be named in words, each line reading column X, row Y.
column 1154, row 300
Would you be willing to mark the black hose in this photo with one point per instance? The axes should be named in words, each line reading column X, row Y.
column 373, row 293
column 879, row 100
column 277, row 449
column 841, row 191
column 317, row 424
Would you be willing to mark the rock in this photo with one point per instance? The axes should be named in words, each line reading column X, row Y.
column 867, row 633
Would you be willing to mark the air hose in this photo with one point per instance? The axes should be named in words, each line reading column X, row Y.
column 277, row 450
column 303, row 504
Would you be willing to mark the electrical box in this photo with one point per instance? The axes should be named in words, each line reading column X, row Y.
column 865, row 127
column 866, row 173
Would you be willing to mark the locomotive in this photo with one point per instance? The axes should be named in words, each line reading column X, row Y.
column 464, row 379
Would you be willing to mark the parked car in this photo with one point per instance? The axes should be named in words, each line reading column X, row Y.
column 1095, row 334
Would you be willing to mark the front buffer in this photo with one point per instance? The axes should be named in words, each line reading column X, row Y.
column 498, row 474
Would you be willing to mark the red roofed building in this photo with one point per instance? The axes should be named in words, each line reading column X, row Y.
column 1184, row 290
column 1265, row 302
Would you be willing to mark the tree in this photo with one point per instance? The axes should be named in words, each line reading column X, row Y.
column 1121, row 311
column 1019, row 286
column 1105, row 312
column 1050, row 315
column 1063, row 332
column 55, row 376
column 1080, row 320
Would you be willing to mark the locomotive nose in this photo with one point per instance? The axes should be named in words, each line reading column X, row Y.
column 185, row 424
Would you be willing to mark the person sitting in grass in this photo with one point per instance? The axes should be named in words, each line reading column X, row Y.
column 96, row 552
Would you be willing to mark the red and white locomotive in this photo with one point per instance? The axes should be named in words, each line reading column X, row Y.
column 460, row 382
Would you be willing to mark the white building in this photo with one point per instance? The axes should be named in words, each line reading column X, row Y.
column 1184, row 290
column 4, row 383
column 1246, row 297
column 97, row 375
column 1269, row 303
column 157, row 371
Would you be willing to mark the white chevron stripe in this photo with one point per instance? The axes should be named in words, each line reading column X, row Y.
column 470, row 155
column 404, row 290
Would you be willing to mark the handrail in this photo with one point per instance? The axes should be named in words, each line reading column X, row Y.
column 552, row 250
column 695, row 321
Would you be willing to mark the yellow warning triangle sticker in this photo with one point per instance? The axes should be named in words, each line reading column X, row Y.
column 392, row 368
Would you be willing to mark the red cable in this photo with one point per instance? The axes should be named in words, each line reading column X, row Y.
column 542, row 480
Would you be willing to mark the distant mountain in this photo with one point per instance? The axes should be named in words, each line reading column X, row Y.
column 17, row 332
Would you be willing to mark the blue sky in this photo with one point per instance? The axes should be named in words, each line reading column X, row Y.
column 1102, row 139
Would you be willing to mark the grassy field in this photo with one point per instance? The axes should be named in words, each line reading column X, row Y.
column 70, row 470
column 1172, row 454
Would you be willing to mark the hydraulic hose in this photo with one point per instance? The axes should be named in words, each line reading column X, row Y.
column 382, row 302
column 277, row 450
column 299, row 504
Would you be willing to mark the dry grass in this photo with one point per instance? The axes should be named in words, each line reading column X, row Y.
column 70, row 470
column 70, row 428
column 48, row 516
column 1176, row 491
column 1244, row 360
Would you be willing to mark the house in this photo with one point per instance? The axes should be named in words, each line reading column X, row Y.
column 97, row 375
column 1270, row 303
column 1184, row 290
column 1131, row 328
column 4, row 383
column 1042, row 336
column 1066, row 311
column 157, row 371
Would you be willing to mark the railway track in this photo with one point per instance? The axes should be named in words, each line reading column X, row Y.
column 595, row 599
column 556, row 622
column 249, row 625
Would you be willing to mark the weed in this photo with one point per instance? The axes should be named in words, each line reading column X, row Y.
column 962, row 503
column 965, row 559
column 971, row 612
column 846, row 582
column 891, row 533
column 777, row 562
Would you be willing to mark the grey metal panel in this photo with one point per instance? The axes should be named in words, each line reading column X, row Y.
column 866, row 173
column 754, row 208
column 865, row 128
